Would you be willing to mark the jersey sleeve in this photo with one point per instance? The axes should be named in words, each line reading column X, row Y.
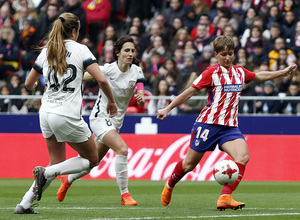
column 204, row 80
column 248, row 75
column 140, row 76
column 88, row 57
column 38, row 64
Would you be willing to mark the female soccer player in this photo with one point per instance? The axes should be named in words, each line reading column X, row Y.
column 62, row 63
column 217, row 123
column 126, row 79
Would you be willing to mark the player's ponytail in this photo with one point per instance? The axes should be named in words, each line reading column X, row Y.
column 62, row 29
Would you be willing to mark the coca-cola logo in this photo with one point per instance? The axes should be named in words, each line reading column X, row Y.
column 149, row 161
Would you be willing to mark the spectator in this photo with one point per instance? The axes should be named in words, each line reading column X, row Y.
column 189, row 48
column 25, row 106
column 107, row 54
column 179, row 57
column 175, row 10
column 4, row 103
column 229, row 30
column 44, row 23
column 290, row 6
column 204, row 60
column 18, row 4
column 27, row 44
column 255, row 36
column 5, row 11
column 295, row 41
column 190, row 19
column 156, row 62
column 157, row 46
column 247, row 22
column 189, row 67
column 238, row 14
column 176, row 25
column 292, row 106
column 97, row 17
column 273, row 15
column 274, row 54
column 215, row 7
column 241, row 59
column 220, row 24
column 161, row 102
column 258, row 55
column 275, row 32
column 268, row 106
column 147, row 40
column 166, row 30
column 281, row 60
column 137, row 23
column 181, row 37
column 24, row 14
column 74, row 7
column 110, row 33
column 288, row 26
column 202, row 38
column 9, row 53
column 200, row 7
column 204, row 19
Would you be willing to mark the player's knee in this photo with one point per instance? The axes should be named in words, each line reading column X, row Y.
column 187, row 167
column 122, row 150
column 93, row 161
column 244, row 159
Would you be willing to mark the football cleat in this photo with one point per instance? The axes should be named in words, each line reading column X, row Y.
column 127, row 200
column 20, row 210
column 64, row 186
column 40, row 181
column 166, row 194
column 227, row 202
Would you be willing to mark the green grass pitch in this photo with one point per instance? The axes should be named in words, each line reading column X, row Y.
column 100, row 199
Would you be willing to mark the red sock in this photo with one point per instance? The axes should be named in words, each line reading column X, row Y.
column 229, row 189
column 177, row 174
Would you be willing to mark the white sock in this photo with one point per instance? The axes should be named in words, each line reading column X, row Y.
column 73, row 165
column 29, row 195
column 122, row 173
column 75, row 176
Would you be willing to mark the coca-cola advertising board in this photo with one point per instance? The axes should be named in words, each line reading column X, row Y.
column 153, row 157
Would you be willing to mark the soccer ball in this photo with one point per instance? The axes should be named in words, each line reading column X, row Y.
column 226, row 172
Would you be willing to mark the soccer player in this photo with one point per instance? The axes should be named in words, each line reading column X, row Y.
column 62, row 63
column 217, row 123
column 126, row 78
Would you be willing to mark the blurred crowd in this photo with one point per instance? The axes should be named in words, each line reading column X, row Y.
column 174, row 44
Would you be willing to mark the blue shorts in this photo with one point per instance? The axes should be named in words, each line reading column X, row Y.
column 205, row 137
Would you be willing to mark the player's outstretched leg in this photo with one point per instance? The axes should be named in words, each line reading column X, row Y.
column 166, row 194
column 227, row 202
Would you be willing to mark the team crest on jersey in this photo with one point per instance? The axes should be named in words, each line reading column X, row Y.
column 131, row 84
column 197, row 142
column 232, row 88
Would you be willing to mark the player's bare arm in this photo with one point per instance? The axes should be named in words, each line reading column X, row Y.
column 269, row 75
column 96, row 73
column 31, row 80
column 184, row 96
column 140, row 97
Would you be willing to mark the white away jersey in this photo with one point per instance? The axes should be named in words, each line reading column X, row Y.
column 122, row 85
column 63, row 94
column 224, row 89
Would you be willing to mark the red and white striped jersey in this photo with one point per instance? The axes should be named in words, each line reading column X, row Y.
column 224, row 89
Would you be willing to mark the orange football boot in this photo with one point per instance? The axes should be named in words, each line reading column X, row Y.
column 166, row 194
column 64, row 186
column 126, row 199
column 227, row 202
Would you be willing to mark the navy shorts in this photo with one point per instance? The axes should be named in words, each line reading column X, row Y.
column 205, row 137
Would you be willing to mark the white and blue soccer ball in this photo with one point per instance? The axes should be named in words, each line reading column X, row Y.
column 226, row 172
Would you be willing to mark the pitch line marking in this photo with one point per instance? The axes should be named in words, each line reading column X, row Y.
column 199, row 217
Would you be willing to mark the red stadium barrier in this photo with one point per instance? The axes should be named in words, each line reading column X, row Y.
column 152, row 157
